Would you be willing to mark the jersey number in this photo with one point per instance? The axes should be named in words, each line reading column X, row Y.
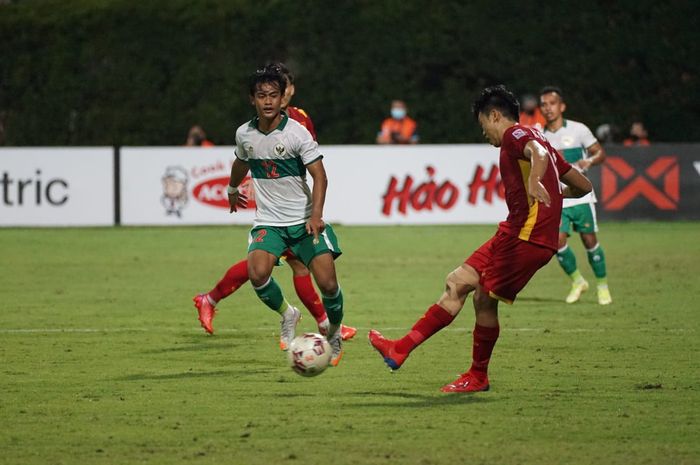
column 270, row 169
column 261, row 234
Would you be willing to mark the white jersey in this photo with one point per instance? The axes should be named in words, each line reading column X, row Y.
column 573, row 140
column 277, row 163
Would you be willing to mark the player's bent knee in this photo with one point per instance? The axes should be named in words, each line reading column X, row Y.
column 458, row 285
column 258, row 274
column 450, row 303
column 589, row 240
column 329, row 287
column 259, row 279
column 468, row 276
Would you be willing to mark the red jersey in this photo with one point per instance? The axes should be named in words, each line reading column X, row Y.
column 300, row 115
column 534, row 223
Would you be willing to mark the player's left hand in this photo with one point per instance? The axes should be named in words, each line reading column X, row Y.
column 315, row 226
column 539, row 193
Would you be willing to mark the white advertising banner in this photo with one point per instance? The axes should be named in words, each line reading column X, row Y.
column 422, row 184
column 178, row 185
column 43, row 186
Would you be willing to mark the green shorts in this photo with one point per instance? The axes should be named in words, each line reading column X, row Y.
column 279, row 239
column 581, row 218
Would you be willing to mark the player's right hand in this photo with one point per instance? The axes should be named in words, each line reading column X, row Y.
column 539, row 193
column 315, row 226
column 237, row 199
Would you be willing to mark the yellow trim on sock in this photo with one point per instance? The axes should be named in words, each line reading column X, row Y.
column 576, row 276
column 285, row 305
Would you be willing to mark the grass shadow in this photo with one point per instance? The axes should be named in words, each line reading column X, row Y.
column 413, row 400
column 540, row 299
column 189, row 375
column 194, row 347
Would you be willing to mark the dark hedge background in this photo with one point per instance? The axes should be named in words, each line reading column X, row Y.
column 123, row 72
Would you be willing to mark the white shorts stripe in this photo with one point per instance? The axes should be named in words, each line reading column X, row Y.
column 328, row 241
column 595, row 218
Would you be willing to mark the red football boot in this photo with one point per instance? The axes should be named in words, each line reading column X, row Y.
column 467, row 382
column 347, row 332
column 206, row 312
column 387, row 349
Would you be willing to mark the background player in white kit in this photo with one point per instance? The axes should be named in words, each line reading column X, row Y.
column 279, row 151
column 579, row 147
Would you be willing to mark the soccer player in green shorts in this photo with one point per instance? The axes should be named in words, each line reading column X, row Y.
column 279, row 151
column 580, row 148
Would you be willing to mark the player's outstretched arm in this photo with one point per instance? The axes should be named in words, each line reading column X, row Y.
column 315, row 224
column 577, row 185
column 539, row 159
column 238, row 171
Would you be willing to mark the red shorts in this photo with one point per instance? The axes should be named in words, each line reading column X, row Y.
column 288, row 254
column 506, row 264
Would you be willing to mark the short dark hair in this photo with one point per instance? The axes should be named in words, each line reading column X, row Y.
column 285, row 71
column 498, row 98
column 552, row 89
column 268, row 74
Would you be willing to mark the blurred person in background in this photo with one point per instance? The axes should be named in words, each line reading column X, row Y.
column 582, row 150
column 399, row 128
column 530, row 114
column 638, row 135
column 605, row 133
column 196, row 137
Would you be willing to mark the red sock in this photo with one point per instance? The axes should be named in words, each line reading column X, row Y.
column 309, row 297
column 433, row 321
column 235, row 277
column 484, row 340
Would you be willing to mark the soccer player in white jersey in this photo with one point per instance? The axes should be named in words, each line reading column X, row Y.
column 279, row 151
column 579, row 147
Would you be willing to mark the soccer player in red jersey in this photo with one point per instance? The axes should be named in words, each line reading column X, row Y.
column 237, row 275
column 531, row 171
column 298, row 114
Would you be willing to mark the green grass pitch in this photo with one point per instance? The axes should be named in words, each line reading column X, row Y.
column 104, row 362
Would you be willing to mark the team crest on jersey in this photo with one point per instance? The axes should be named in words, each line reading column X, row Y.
column 280, row 149
column 249, row 149
column 567, row 140
column 518, row 133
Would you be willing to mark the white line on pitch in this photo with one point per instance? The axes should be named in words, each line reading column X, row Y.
column 274, row 329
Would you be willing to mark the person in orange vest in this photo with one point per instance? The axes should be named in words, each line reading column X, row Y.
column 196, row 137
column 531, row 116
column 399, row 128
column 638, row 135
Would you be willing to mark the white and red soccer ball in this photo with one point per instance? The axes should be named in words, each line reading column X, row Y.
column 309, row 354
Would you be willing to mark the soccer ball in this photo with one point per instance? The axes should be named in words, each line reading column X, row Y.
column 309, row 354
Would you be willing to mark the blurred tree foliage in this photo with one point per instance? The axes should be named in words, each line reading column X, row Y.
column 125, row 72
